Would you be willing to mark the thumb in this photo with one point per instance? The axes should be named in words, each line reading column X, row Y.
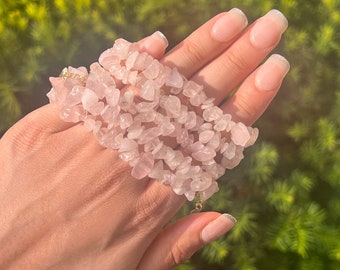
column 180, row 240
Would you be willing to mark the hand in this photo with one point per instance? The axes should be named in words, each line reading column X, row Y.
column 68, row 203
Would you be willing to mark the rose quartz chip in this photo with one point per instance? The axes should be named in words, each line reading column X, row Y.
column 125, row 120
column 174, row 79
column 157, row 171
column 206, row 135
column 127, row 145
column 172, row 105
column 229, row 150
column 130, row 61
column 191, row 89
column 149, row 134
column 143, row 167
column 204, row 154
column 148, row 90
column 201, row 183
column 152, row 71
column 240, row 134
column 212, row 113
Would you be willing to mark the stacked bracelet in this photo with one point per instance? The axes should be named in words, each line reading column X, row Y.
column 162, row 124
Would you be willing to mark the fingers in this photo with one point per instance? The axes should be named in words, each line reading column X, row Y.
column 155, row 45
column 257, row 91
column 183, row 238
column 207, row 42
column 230, row 68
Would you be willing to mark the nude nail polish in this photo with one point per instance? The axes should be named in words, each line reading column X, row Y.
column 229, row 25
column 267, row 31
column 217, row 227
column 159, row 35
column 270, row 75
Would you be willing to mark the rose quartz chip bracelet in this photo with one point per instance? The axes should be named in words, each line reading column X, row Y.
column 162, row 124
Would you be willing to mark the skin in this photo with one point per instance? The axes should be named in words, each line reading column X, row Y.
column 68, row 203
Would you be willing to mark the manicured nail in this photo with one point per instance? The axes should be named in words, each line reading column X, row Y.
column 229, row 25
column 217, row 228
column 267, row 30
column 270, row 75
column 160, row 36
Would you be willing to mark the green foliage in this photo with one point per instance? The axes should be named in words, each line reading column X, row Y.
column 285, row 194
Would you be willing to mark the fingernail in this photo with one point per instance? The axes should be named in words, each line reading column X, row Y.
column 160, row 36
column 267, row 30
column 217, row 227
column 271, row 73
column 229, row 25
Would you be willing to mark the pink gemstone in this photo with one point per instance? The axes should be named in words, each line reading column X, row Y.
column 74, row 97
column 149, row 134
column 191, row 89
column 148, row 89
column 158, row 170
column 143, row 167
column 108, row 59
column 121, row 48
column 212, row 113
column 201, row 183
column 195, row 147
column 174, row 79
column 223, row 123
column 215, row 141
column 204, row 154
column 89, row 99
column 206, row 194
column 125, row 120
column 254, row 133
column 131, row 60
column 112, row 95
column 229, row 150
column 60, row 92
column 152, row 71
column 191, row 120
column 173, row 106
column 167, row 128
column 240, row 134
column 206, row 135
column 127, row 145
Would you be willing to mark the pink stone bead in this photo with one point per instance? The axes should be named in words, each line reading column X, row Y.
column 191, row 89
column 127, row 145
column 148, row 90
column 143, row 167
column 149, row 134
column 201, row 183
column 240, row 134
column 158, row 170
column 206, row 194
column 229, row 150
column 152, row 71
column 174, row 79
column 212, row 113
column 125, row 120
column 206, row 135
column 130, row 61
column 204, row 154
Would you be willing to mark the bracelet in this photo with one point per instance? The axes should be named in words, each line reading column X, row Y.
column 162, row 124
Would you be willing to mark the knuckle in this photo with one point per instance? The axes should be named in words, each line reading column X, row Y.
column 26, row 137
column 236, row 63
column 246, row 109
column 179, row 254
column 194, row 52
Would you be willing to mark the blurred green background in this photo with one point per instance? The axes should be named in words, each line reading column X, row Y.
column 286, row 193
